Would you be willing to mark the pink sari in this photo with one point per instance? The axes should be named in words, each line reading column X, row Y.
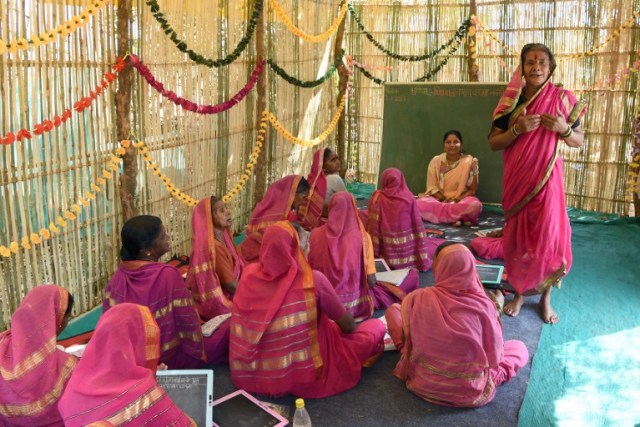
column 280, row 342
column 487, row 247
column 309, row 214
column 275, row 206
column 33, row 372
column 454, row 353
column 115, row 381
column 395, row 225
column 161, row 288
column 210, row 298
column 537, row 232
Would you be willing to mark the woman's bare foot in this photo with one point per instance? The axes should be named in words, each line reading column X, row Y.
column 546, row 311
column 467, row 223
column 512, row 308
column 457, row 223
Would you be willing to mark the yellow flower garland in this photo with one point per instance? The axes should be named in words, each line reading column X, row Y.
column 62, row 30
column 315, row 141
column 61, row 221
column 298, row 32
column 633, row 186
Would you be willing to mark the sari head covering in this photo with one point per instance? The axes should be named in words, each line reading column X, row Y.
column 453, row 336
column 202, row 279
column 33, row 372
column 274, row 325
column 275, row 206
column 339, row 250
column 309, row 213
column 537, row 234
column 115, row 380
column 395, row 224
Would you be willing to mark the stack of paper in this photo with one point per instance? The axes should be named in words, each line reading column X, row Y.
column 395, row 277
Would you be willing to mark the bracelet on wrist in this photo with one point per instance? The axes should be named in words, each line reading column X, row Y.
column 515, row 131
column 568, row 133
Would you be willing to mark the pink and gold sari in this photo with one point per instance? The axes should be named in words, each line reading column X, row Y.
column 454, row 353
column 275, row 206
column 207, row 254
column 115, row 381
column 395, row 225
column 309, row 213
column 537, row 232
column 281, row 343
column 33, row 372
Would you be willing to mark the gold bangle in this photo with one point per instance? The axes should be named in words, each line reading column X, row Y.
column 567, row 134
column 515, row 131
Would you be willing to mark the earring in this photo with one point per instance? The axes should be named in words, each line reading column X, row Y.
column 148, row 253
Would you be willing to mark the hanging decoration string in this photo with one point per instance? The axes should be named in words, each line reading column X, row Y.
column 312, row 83
column 79, row 106
column 69, row 26
column 633, row 184
column 70, row 214
column 369, row 67
column 460, row 32
column 188, row 105
column 196, row 57
column 312, row 142
column 298, row 32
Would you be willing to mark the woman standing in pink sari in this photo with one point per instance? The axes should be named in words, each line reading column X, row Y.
column 214, row 264
column 343, row 252
column 281, row 201
column 290, row 333
column 396, row 227
column 452, row 182
column 115, row 381
column 450, row 336
column 529, row 123
column 33, row 372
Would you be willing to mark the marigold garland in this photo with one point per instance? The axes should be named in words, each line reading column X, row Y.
column 298, row 32
column 188, row 105
column 318, row 139
column 196, row 57
column 69, row 26
column 633, row 185
column 307, row 84
column 78, row 106
column 70, row 214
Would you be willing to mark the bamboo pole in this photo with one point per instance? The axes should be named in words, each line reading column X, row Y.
column 474, row 70
column 261, row 105
column 343, row 74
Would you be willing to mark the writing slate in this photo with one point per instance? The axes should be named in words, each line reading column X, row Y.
column 191, row 390
column 416, row 116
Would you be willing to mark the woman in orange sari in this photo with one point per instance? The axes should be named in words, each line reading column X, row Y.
column 115, row 381
column 452, row 182
column 529, row 123
column 281, row 201
column 290, row 334
column 33, row 372
column 214, row 264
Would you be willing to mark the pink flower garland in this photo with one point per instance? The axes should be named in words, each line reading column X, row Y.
column 190, row 105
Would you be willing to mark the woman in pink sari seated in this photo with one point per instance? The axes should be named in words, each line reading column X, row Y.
column 343, row 252
column 452, row 351
column 142, row 279
column 489, row 246
column 452, row 182
column 290, row 334
column 531, row 120
column 214, row 264
column 33, row 372
column 115, row 381
column 396, row 227
column 281, row 201
column 325, row 182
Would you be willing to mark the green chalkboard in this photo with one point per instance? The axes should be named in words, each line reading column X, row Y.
column 416, row 116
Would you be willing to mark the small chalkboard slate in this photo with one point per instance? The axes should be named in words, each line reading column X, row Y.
column 240, row 409
column 490, row 274
column 191, row 390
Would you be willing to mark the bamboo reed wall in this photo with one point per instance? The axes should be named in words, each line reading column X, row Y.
column 43, row 177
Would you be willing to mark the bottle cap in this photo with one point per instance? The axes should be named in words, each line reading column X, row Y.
column 299, row 403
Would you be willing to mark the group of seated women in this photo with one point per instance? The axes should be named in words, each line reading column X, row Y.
column 300, row 312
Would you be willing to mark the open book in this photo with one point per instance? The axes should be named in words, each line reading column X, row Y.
column 212, row 324
column 395, row 277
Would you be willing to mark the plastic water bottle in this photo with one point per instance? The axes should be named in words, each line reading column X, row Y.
column 301, row 417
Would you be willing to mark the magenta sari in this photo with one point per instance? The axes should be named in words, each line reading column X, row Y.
column 161, row 288
column 454, row 353
column 115, row 381
column 537, row 232
column 33, row 372
column 487, row 247
column 395, row 225
column 281, row 343
column 309, row 214
column 210, row 298
column 275, row 206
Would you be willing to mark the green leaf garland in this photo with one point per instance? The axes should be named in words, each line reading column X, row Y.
column 312, row 83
